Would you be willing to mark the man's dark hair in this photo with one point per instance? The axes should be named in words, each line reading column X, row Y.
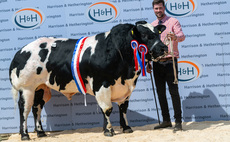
column 157, row 2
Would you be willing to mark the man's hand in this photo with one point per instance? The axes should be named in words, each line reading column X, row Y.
column 149, row 68
column 172, row 36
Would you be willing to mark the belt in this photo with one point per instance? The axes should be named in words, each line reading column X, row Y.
column 166, row 59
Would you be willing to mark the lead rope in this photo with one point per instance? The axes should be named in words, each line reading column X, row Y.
column 174, row 66
column 168, row 42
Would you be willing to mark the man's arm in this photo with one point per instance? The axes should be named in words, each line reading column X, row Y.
column 178, row 32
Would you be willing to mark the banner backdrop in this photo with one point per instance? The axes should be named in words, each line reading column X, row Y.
column 204, row 62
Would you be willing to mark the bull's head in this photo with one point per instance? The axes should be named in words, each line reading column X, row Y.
column 146, row 34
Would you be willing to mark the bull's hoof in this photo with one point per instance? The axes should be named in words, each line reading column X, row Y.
column 41, row 134
column 127, row 130
column 25, row 137
column 109, row 133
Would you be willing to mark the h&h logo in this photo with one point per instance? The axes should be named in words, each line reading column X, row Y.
column 180, row 8
column 102, row 12
column 188, row 71
column 28, row 18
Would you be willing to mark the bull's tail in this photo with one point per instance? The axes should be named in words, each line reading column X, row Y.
column 15, row 96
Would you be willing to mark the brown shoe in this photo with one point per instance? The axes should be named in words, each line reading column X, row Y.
column 164, row 124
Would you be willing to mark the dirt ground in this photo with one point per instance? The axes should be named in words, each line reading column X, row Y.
column 208, row 131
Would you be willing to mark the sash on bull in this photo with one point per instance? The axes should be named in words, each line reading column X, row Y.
column 106, row 64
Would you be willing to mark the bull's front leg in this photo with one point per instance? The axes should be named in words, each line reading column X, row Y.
column 107, row 127
column 36, row 109
column 123, row 118
column 103, row 98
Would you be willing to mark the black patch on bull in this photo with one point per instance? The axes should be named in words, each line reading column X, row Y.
column 59, row 63
column 39, row 70
column 43, row 45
column 19, row 62
column 43, row 54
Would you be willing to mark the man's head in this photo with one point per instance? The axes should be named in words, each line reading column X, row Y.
column 159, row 8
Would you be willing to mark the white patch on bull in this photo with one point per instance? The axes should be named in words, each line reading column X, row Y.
column 89, row 42
column 107, row 33
column 15, row 96
column 103, row 97
column 25, row 76
column 89, row 85
column 34, row 46
column 149, row 26
column 109, row 125
column 54, row 44
column 15, row 81
column 28, row 96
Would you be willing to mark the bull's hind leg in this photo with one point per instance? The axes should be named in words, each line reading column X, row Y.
column 123, row 119
column 36, row 109
column 103, row 98
column 25, row 103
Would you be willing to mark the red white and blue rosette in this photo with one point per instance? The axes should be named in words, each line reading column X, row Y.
column 134, row 45
column 143, row 50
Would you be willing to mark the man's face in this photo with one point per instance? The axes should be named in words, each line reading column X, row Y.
column 159, row 10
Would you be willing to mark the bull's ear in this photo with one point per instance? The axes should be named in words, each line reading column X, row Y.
column 160, row 28
column 140, row 22
column 135, row 33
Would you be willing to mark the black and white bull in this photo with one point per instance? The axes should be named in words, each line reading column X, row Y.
column 106, row 66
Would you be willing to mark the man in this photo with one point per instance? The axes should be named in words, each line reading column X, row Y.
column 163, row 69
